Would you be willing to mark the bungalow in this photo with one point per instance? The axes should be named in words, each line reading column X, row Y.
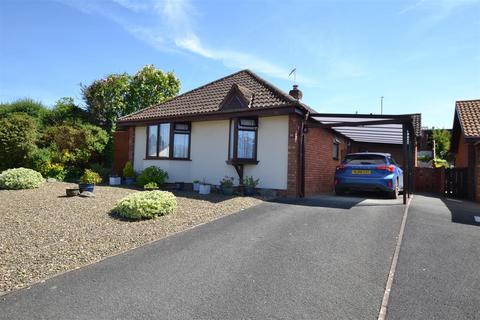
column 239, row 125
column 465, row 144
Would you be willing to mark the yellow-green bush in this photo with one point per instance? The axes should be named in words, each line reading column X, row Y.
column 146, row 205
column 20, row 178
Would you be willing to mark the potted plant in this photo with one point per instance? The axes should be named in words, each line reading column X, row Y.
column 226, row 185
column 249, row 185
column 204, row 188
column 129, row 174
column 150, row 186
column 88, row 180
column 196, row 185
column 114, row 179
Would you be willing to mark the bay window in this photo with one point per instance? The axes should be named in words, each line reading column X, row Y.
column 243, row 140
column 168, row 141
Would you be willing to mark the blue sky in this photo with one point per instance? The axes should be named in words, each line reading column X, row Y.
column 421, row 55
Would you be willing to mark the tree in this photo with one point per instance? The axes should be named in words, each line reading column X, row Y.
column 18, row 135
column 27, row 106
column 442, row 142
column 120, row 94
column 106, row 99
column 66, row 111
column 150, row 86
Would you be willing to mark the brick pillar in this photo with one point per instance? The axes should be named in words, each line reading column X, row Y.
column 293, row 176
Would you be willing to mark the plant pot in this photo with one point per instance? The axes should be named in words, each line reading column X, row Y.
column 249, row 191
column 179, row 186
column 204, row 189
column 86, row 187
column 227, row 191
column 196, row 186
column 129, row 181
column 72, row 192
column 115, row 181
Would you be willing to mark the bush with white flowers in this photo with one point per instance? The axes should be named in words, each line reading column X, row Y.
column 146, row 205
column 20, row 178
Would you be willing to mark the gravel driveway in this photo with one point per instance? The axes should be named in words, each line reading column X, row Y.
column 43, row 233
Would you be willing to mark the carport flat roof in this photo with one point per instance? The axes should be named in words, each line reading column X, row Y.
column 368, row 127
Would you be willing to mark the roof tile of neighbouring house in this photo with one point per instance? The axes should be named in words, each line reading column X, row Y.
column 208, row 98
column 468, row 112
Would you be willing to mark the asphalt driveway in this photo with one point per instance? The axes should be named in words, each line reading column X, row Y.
column 438, row 272
column 322, row 258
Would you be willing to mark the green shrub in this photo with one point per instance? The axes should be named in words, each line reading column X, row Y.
column 103, row 171
column 128, row 171
column 78, row 144
column 90, row 177
column 18, row 134
column 146, row 205
column 249, row 181
column 227, row 182
column 42, row 160
column 150, row 185
column 20, row 178
column 152, row 174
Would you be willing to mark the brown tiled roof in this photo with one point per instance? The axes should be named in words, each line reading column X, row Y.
column 208, row 98
column 468, row 112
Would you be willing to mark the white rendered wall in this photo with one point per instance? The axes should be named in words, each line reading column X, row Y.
column 209, row 152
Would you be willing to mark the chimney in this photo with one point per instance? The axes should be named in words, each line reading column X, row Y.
column 296, row 93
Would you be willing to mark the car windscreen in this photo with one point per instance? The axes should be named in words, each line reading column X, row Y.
column 365, row 159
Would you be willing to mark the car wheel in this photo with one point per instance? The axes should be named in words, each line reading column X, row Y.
column 394, row 194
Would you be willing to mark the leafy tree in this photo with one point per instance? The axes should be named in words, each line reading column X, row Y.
column 150, row 86
column 442, row 142
column 66, row 111
column 106, row 99
column 18, row 135
column 120, row 94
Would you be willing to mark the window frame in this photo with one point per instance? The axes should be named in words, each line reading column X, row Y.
column 171, row 139
column 233, row 158
column 336, row 143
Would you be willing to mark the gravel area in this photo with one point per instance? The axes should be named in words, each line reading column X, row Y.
column 43, row 233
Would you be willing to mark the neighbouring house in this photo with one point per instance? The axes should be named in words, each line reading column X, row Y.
column 237, row 126
column 465, row 144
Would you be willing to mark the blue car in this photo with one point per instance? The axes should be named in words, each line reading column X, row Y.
column 369, row 171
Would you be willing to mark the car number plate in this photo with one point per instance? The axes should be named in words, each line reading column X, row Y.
column 361, row 171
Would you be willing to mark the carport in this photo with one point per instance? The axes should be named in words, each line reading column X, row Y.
column 371, row 128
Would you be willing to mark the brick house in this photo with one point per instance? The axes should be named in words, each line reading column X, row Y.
column 465, row 144
column 239, row 125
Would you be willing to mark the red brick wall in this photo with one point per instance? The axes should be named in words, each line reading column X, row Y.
column 319, row 162
column 461, row 157
column 293, row 175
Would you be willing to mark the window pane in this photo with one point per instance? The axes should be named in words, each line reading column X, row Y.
column 246, row 144
column 247, row 123
column 164, row 140
column 335, row 150
column 181, row 126
column 152, row 141
column 180, row 145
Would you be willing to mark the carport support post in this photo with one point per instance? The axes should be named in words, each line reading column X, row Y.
column 404, row 162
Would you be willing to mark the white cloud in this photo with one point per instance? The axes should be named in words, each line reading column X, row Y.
column 174, row 31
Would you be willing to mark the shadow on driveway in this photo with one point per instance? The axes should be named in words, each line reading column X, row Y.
column 341, row 202
column 463, row 211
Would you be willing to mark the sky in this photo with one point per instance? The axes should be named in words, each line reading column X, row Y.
column 420, row 55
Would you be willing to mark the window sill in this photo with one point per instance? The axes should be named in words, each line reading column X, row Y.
column 172, row 159
column 242, row 161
